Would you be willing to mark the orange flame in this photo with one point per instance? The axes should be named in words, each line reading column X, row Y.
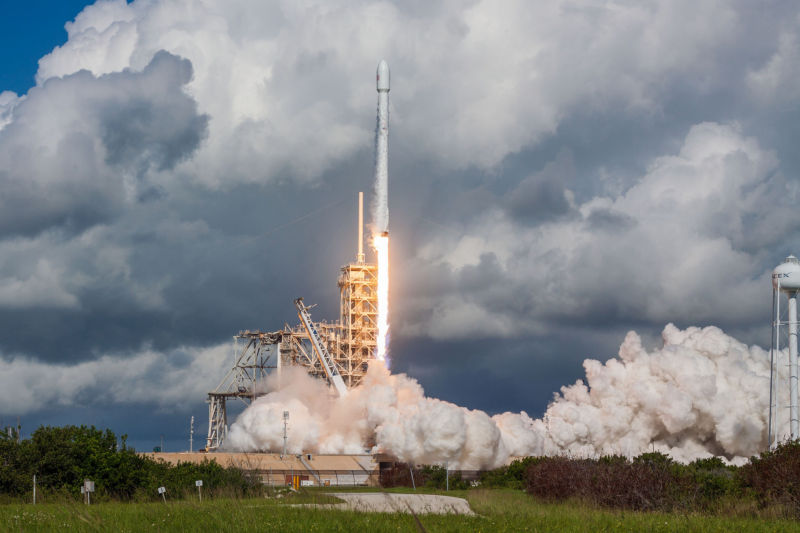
column 381, row 245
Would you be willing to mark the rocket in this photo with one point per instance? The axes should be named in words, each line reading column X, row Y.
column 382, row 77
column 380, row 239
column 381, row 202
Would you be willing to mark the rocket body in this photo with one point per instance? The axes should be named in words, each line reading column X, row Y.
column 381, row 202
column 380, row 231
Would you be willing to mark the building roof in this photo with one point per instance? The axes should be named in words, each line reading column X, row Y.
column 272, row 461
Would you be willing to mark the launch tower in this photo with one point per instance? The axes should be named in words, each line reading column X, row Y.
column 338, row 352
column 350, row 343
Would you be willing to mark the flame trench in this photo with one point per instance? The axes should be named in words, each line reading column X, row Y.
column 381, row 245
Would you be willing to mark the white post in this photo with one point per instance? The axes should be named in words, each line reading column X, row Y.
column 34, row 489
column 795, row 427
column 360, row 256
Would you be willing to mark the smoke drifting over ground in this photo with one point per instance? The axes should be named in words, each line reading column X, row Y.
column 702, row 394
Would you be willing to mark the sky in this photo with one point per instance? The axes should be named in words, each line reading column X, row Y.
column 560, row 173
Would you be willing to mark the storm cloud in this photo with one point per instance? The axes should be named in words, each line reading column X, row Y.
column 560, row 173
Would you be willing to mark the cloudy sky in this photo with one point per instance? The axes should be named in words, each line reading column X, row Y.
column 561, row 172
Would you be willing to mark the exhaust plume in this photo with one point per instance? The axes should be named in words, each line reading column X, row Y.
column 702, row 394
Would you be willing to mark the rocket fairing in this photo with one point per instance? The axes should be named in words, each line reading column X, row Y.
column 381, row 203
column 382, row 77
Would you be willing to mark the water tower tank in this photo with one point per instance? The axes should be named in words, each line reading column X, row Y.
column 788, row 274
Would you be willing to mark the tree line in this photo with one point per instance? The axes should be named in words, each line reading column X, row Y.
column 63, row 457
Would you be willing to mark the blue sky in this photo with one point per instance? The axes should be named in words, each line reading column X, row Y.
column 29, row 30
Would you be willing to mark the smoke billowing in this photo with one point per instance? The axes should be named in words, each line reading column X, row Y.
column 703, row 393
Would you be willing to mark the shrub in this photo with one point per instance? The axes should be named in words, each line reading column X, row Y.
column 651, row 481
column 510, row 476
column 774, row 476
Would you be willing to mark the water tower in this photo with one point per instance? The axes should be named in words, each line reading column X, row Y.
column 785, row 280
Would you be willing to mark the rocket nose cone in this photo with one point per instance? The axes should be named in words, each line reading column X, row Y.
column 383, row 76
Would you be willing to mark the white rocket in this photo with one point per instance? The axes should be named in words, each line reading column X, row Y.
column 381, row 205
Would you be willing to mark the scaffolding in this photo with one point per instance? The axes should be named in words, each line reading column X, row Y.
column 351, row 343
column 358, row 313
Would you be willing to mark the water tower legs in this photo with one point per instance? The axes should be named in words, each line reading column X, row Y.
column 795, row 424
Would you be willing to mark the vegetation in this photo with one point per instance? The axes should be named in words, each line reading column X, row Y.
column 63, row 457
column 502, row 510
column 648, row 492
column 511, row 476
column 767, row 484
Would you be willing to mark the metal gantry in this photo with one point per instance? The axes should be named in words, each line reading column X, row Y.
column 255, row 354
column 320, row 348
column 350, row 344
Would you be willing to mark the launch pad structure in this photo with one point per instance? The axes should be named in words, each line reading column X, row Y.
column 350, row 344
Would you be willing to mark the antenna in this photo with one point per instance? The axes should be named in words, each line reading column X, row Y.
column 191, row 433
column 360, row 256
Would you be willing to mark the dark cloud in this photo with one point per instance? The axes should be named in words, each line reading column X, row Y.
column 78, row 145
column 542, row 203
column 609, row 220
column 544, row 195
column 158, row 128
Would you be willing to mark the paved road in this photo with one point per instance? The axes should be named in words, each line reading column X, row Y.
column 383, row 502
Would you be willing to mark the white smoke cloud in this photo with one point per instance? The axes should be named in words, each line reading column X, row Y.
column 387, row 412
column 703, row 393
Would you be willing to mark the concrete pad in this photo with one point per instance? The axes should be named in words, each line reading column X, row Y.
column 385, row 502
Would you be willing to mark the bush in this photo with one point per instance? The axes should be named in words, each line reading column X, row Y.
column 774, row 476
column 511, row 476
column 651, row 481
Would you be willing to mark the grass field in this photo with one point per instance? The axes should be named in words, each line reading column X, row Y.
column 498, row 510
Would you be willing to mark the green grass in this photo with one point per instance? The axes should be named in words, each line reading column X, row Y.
column 499, row 510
